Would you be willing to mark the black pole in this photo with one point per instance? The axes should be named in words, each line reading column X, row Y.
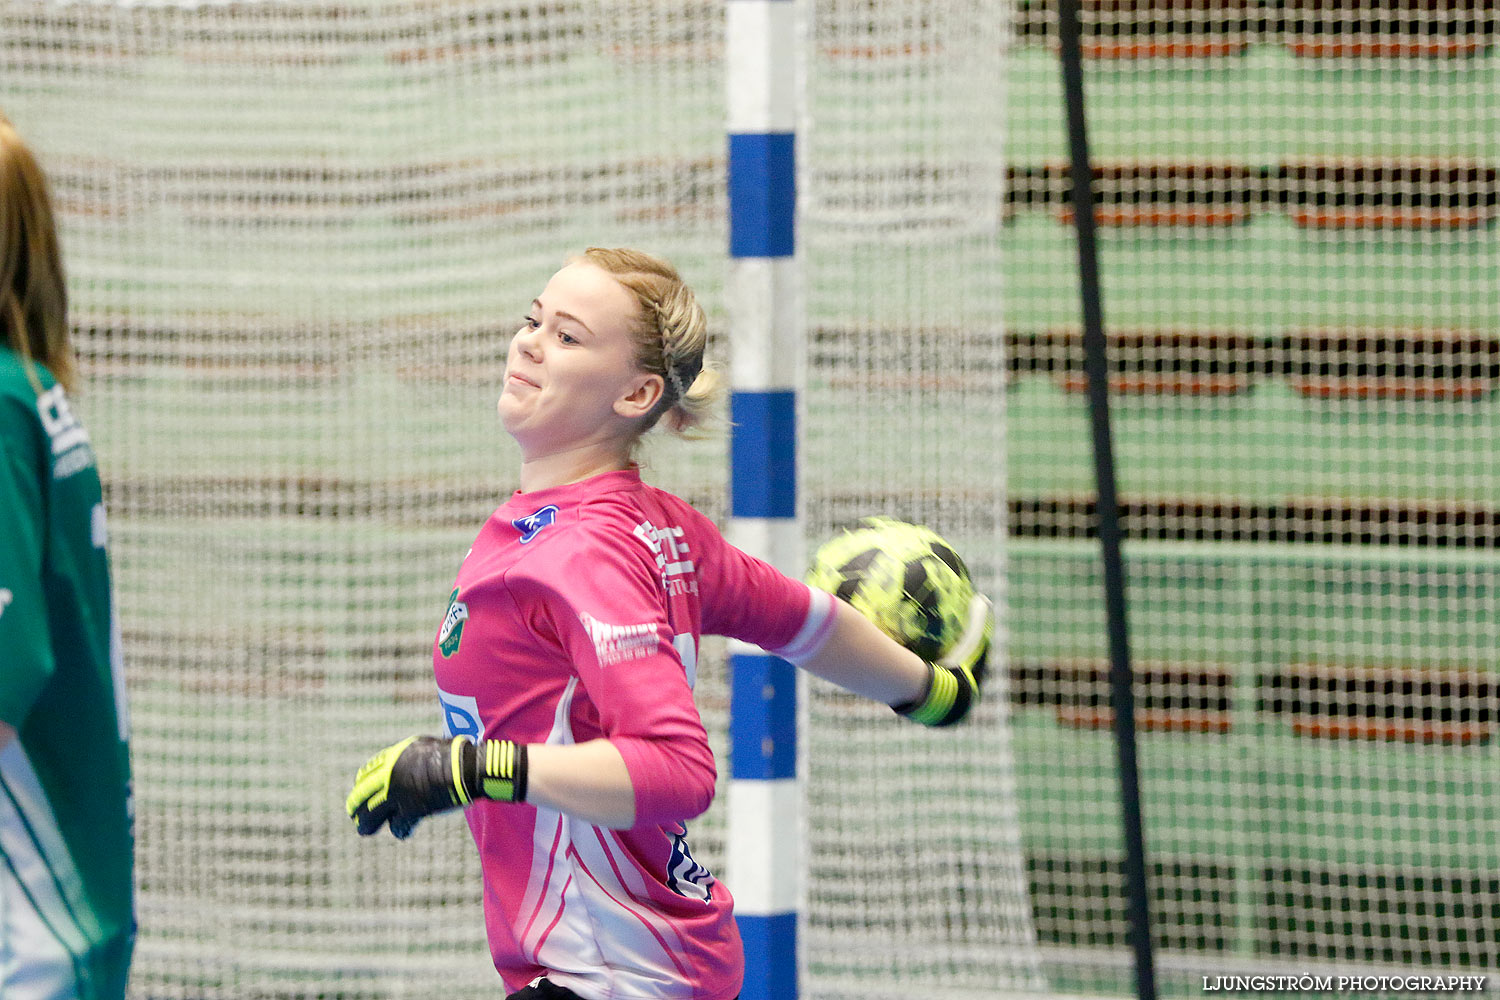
column 1096, row 364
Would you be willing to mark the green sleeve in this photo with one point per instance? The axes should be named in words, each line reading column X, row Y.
column 26, row 660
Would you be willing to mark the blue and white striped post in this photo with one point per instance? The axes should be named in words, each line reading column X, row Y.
column 766, row 346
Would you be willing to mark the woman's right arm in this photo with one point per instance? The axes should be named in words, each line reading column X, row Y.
column 748, row 599
column 858, row 657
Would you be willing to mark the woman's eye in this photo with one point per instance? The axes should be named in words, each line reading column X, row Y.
column 531, row 322
column 566, row 338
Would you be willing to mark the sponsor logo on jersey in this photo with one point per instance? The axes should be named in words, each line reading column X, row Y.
column 98, row 526
column 618, row 643
column 452, row 632
column 65, row 432
column 460, row 715
column 670, row 550
column 58, row 421
column 530, row 525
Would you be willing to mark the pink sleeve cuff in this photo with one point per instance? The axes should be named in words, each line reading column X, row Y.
column 673, row 779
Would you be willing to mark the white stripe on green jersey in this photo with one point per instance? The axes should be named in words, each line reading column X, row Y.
column 33, row 852
column 33, row 963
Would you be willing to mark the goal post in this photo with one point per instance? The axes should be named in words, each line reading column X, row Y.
column 765, row 839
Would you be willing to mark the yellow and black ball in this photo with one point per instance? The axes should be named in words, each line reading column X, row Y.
column 903, row 577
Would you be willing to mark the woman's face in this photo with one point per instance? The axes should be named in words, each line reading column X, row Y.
column 570, row 376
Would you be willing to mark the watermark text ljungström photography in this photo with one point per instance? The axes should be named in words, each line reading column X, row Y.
column 1414, row 983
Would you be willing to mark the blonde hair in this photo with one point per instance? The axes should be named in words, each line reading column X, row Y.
column 33, row 294
column 670, row 335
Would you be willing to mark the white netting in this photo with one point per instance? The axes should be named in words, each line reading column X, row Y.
column 298, row 236
column 1302, row 285
column 916, row 870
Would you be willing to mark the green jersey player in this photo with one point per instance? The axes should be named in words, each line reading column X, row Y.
column 67, row 921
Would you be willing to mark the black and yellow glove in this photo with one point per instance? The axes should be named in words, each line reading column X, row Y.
column 423, row 775
column 954, row 682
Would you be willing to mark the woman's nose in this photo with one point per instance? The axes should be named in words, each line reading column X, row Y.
column 528, row 342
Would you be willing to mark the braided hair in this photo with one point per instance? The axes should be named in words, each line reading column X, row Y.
column 670, row 333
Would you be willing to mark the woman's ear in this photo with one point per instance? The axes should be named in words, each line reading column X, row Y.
column 644, row 395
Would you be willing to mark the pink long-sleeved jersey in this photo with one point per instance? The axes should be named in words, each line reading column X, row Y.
column 577, row 615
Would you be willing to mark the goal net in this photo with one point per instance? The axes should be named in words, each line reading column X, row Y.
column 298, row 237
column 1301, row 284
column 915, row 855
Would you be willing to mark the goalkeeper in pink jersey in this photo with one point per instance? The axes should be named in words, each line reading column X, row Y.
column 566, row 659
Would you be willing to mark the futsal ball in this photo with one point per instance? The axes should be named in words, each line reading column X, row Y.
column 903, row 577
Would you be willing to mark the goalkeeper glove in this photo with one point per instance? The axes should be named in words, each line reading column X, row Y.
column 953, row 682
column 423, row 775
